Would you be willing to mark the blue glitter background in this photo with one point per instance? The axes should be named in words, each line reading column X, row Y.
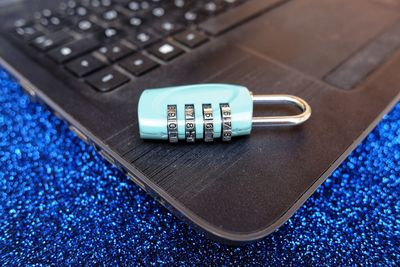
column 61, row 204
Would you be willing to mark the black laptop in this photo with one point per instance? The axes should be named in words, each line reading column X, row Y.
column 89, row 61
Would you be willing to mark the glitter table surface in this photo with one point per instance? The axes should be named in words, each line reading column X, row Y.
column 61, row 204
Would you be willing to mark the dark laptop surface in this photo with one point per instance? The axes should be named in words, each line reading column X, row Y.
column 89, row 61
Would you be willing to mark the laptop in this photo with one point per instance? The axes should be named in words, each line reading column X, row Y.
column 88, row 61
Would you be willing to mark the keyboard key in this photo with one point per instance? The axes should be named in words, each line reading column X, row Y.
column 192, row 16
column 138, row 64
column 110, row 15
column 28, row 32
column 109, row 34
column 107, row 80
column 168, row 27
column 223, row 22
column 133, row 6
column 84, row 65
column 145, row 5
column 114, row 52
column 86, row 25
column 47, row 42
column 20, row 23
column 158, row 12
column 213, row 7
column 165, row 51
column 135, row 21
column 143, row 38
column 81, row 11
column 191, row 38
column 73, row 50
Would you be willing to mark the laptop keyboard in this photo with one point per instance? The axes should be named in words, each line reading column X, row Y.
column 101, row 41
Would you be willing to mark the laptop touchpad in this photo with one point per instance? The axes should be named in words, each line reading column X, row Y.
column 316, row 36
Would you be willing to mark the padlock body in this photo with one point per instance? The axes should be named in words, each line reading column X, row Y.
column 154, row 104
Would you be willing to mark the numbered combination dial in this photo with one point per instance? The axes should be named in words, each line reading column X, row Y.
column 208, row 112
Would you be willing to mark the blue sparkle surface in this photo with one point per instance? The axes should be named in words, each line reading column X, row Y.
column 61, row 204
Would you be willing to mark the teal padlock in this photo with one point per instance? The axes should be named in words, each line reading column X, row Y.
column 208, row 111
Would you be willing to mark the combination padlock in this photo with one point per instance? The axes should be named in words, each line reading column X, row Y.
column 208, row 111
